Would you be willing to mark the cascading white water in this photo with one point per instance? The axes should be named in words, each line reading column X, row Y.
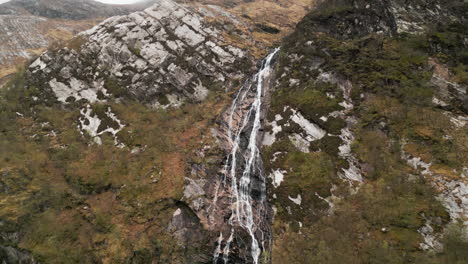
column 242, row 210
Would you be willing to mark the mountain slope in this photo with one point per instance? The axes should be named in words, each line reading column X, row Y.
column 160, row 59
column 163, row 137
column 68, row 9
column 29, row 26
column 22, row 37
column 113, row 82
column 366, row 134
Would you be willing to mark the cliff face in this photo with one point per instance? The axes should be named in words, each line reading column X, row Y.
column 163, row 137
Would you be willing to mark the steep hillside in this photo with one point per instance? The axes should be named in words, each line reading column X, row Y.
column 32, row 25
column 115, row 186
column 179, row 135
column 366, row 135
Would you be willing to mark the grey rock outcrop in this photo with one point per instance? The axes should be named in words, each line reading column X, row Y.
column 13, row 255
column 9, row 253
column 163, row 56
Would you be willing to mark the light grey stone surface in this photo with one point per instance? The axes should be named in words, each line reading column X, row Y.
column 167, row 50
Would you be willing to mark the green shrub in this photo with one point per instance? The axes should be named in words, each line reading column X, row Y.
column 116, row 88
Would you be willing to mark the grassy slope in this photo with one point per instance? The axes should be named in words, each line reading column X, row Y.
column 75, row 202
column 393, row 74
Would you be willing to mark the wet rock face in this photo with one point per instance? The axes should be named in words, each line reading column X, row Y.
column 214, row 190
column 163, row 56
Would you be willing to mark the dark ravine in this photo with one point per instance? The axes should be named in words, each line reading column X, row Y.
column 243, row 176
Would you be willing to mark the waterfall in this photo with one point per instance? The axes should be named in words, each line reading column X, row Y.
column 244, row 122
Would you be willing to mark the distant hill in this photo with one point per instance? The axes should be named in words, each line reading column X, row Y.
column 69, row 9
column 29, row 26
